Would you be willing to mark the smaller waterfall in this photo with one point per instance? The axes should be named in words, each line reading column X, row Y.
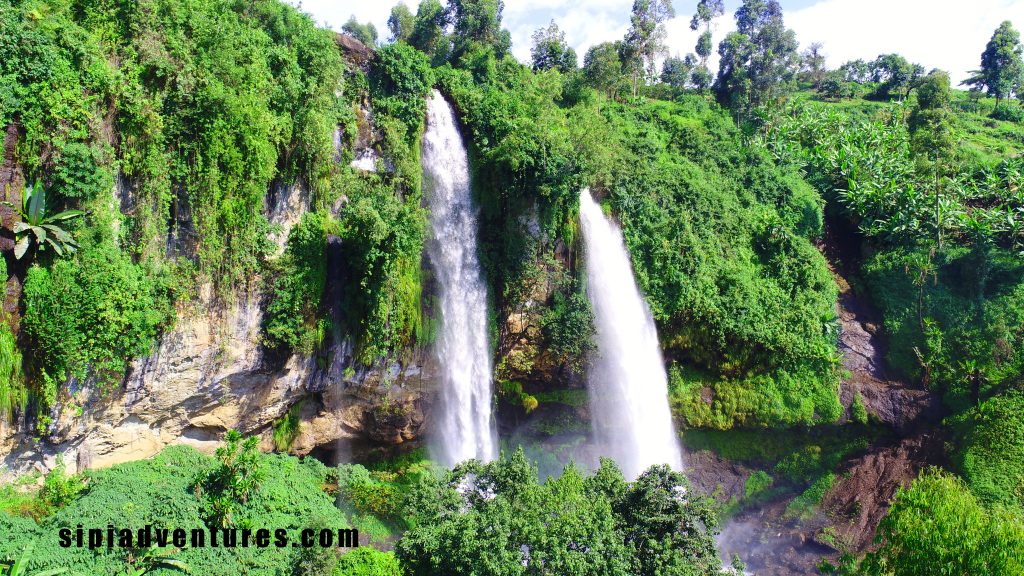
column 466, row 429
column 628, row 386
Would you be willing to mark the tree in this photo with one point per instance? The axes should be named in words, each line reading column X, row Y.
column 758, row 60
column 365, row 33
column 707, row 10
column 895, row 75
column 670, row 534
column 602, row 68
column 938, row 527
column 478, row 22
column 550, row 50
column 857, row 71
column 497, row 519
column 428, row 29
column 1001, row 64
column 676, row 71
column 401, row 23
column 813, row 68
column 645, row 40
column 238, row 474
column 835, row 86
column 931, row 132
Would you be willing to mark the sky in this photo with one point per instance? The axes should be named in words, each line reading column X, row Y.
column 945, row 34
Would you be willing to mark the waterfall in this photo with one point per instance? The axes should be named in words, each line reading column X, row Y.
column 466, row 428
column 627, row 383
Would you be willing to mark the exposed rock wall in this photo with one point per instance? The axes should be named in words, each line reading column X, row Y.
column 207, row 376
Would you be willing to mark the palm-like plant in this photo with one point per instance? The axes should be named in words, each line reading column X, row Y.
column 36, row 227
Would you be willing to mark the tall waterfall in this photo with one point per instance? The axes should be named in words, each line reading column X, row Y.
column 466, row 428
column 628, row 387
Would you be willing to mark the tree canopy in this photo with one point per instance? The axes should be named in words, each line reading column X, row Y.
column 497, row 519
column 1001, row 64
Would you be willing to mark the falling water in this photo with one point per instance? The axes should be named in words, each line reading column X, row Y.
column 466, row 429
column 628, row 387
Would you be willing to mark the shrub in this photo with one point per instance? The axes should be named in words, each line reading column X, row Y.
column 286, row 428
column 938, row 527
column 858, row 412
column 991, row 441
column 161, row 492
column 13, row 394
column 59, row 489
column 229, row 485
column 757, row 483
column 296, row 288
column 368, row 562
column 91, row 315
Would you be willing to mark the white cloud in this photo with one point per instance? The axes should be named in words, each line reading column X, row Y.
column 947, row 34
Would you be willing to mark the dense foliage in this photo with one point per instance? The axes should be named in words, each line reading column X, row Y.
column 491, row 519
column 161, row 492
column 160, row 136
column 938, row 527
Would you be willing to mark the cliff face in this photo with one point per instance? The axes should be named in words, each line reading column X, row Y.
column 207, row 376
column 210, row 374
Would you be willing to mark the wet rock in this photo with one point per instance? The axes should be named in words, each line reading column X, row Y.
column 886, row 401
column 354, row 51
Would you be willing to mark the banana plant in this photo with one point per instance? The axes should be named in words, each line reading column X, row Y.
column 19, row 566
column 38, row 228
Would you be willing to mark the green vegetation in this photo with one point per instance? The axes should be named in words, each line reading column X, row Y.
column 161, row 492
column 939, row 527
column 286, row 428
column 229, row 485
column 39, row 231
column 296, row 287
column 12, row 389
column 858, row 412
column 991, row 453
column 157, row 130
column 88, row 317
column 374, row 496
column 480, row 518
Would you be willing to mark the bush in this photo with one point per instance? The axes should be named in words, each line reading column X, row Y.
column 937, row 527
column 757, row 483
column 400, row 80
column 13, row 394
column 1009, row 113
column 568, row 328
column 291, row 322
column 59, row 489
column 858, row 413
column 89, row 316
column 991, row 456
column 160, row 492
column 368, row 562
column 228, row 486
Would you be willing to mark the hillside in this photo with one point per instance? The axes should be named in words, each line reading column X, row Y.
column 229, row 298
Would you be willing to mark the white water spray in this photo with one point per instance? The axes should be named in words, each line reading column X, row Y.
column 628, row 387
column 466, row 429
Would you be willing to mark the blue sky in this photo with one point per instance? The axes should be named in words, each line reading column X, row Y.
column 946, row 34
